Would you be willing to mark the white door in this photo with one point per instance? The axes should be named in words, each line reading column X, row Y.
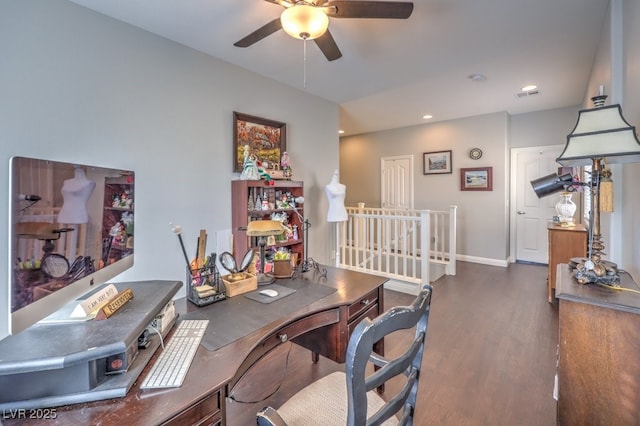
column 397, row 182
column 530, row 213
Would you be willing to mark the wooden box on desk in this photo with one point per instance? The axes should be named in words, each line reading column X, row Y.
column 239, row 283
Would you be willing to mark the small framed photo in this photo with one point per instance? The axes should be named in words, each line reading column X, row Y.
column 437, row 162
column 267, row 139
column 476, row 179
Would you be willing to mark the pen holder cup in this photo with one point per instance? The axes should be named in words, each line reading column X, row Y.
column 204, row 286
column 283, row 268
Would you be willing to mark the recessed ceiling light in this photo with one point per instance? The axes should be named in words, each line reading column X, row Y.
column 340, row 132
column 427, row 116
column 529, row 90
column 477, row 77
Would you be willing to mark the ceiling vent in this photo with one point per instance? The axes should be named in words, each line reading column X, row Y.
column 527, row 93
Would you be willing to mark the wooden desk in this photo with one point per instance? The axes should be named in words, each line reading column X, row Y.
column 201, row 399
column 599, row 353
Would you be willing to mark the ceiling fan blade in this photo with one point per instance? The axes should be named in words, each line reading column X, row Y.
column 283, row 3
column 368, row 9
column 260, row 33
column 328, row 45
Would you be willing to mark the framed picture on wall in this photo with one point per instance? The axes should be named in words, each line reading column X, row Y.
column 476, row 179
column 267, row 139
column 436, row 162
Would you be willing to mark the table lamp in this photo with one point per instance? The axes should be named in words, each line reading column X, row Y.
column 600, row 135
column 262, row 229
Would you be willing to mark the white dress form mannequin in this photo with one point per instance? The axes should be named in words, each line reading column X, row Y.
column 75, row 193
column 336, row 192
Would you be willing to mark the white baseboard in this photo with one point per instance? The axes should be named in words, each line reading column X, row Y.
column 402, row 287
column 483, row 260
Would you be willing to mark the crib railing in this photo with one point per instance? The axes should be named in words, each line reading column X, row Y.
column 399, row 244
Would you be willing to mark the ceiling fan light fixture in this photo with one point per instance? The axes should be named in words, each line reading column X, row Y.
column 304, row 22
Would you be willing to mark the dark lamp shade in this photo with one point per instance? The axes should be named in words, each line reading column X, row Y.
column 551, row 184
column 601, row 133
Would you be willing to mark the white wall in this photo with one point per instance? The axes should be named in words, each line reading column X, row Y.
column 77, row 86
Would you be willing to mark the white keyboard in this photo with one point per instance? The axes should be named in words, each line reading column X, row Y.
column 171, row 367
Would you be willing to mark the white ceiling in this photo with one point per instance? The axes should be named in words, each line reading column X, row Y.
column 395, row 71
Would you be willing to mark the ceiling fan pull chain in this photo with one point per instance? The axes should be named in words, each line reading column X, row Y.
column 304, row 64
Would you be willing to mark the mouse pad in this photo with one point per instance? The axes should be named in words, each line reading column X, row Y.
column 282, row 292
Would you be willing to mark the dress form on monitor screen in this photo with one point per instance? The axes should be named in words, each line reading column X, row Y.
column 75, row 193
column 336, row 192
column 36, row 295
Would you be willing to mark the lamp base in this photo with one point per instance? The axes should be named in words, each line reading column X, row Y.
column 265, row 279
column 593, row 270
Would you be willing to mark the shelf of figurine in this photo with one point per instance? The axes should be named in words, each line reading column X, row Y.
column 258, row 200
column 254, row 169
column 122, row 201
column 268, row 200
column 277, row 171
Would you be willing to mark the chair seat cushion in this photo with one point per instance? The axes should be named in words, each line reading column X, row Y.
column 324, row 402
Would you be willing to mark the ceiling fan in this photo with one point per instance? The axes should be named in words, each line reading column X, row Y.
column 309, row 20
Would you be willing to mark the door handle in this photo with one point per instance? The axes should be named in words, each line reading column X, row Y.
column 520, row 212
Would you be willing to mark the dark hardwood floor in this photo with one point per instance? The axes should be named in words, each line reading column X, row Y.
column 490, row 357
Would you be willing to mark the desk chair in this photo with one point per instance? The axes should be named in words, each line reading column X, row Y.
column 348, row 398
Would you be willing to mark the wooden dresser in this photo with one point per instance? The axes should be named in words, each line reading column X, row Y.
column 599, row 352
column 564, row 243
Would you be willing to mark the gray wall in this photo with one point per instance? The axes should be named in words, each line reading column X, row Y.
column 77, row 86
column 630, row 176
column 549, row 127
column 360, row 155
column 617, row 67
column 482, row 216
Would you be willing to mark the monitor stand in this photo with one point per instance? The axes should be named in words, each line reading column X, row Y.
column 55, row 364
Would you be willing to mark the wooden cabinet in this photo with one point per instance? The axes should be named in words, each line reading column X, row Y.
column 117, row 222
column 257, row 200
column 599, row 352
column 564, row 243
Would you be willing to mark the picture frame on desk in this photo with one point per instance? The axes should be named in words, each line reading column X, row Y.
column 267, row 139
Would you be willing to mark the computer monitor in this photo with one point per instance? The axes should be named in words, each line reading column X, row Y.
column 71, row 228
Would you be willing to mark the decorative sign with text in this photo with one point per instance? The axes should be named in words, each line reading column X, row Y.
column 114, row 304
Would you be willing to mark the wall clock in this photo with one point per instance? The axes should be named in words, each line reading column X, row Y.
column 475, row 153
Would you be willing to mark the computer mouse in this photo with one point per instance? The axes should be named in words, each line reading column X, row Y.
column 269, row 292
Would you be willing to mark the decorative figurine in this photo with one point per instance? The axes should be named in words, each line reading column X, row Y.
column 284, row 161
column 249, row 167
column 285, row 165
column 115, row 229
column 127, row 219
